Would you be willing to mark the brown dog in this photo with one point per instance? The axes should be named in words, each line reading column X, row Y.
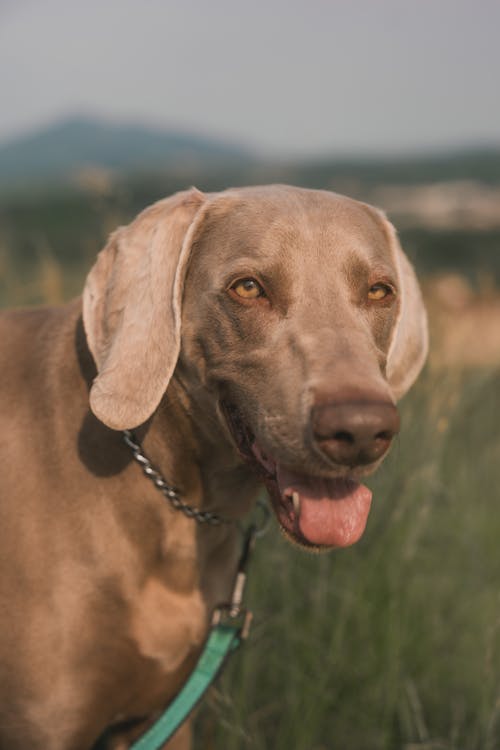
column 259, row 334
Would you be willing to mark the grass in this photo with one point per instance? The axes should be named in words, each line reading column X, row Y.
column 393, row 644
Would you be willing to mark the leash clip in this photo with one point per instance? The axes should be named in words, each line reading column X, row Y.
column 233, row 614
column 240, row 619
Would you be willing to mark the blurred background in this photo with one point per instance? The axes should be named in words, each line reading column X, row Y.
column 108, row 106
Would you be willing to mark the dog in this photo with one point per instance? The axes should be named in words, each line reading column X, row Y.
column 255, row 336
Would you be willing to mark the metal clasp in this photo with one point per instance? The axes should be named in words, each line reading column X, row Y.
column 233, row 612
column 240, row 620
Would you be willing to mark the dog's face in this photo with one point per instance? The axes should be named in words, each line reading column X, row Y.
column 294, row 314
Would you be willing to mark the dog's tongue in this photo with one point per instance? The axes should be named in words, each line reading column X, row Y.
column 333, row 512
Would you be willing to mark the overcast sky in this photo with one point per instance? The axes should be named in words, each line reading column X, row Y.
column 288, row 77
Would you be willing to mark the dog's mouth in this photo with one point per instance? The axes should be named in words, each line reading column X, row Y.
column 314, row 512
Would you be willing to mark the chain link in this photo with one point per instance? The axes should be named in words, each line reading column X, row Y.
column 170, row 493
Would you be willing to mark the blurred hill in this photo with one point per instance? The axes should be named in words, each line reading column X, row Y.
column 66, row 150
column 63, row 149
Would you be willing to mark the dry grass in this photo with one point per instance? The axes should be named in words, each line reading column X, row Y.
column 465, row 324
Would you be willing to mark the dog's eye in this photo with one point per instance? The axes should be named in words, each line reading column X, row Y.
column 379, row 291
column 248, row 289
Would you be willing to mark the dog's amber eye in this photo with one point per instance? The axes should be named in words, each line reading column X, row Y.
column 248, row 289
column 379, row 291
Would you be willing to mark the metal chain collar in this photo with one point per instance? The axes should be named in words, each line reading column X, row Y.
column 170, row 493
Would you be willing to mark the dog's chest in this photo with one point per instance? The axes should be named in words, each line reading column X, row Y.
column 167, row 624
column 171, row 609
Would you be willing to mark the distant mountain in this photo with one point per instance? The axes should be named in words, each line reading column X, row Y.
column 64, row 148
column 84, row 151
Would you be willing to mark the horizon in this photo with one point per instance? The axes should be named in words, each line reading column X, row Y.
column 433, row 151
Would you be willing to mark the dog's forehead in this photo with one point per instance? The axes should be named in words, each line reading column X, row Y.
column 278, row 222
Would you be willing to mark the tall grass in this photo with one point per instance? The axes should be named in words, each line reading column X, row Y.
column 41, row 280
column 394, row 643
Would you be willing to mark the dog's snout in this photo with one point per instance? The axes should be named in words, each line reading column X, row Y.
column 354, row 433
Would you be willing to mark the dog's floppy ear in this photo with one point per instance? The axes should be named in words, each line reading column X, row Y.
column 132, row 310
column 409, row 344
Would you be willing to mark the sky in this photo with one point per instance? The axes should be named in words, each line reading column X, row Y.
column 285, row 77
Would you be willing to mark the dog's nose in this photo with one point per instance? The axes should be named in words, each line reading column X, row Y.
column 354, row 433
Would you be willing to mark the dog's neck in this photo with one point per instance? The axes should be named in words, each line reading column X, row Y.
column 185, row 440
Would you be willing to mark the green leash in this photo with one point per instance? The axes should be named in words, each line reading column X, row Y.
column 230, row 626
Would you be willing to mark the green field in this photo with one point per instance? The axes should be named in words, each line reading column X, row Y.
column 394, row 643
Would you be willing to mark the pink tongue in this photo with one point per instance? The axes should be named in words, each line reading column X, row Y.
column 333, row 512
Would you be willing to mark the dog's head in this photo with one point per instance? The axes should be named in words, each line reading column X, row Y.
column 293, row 313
